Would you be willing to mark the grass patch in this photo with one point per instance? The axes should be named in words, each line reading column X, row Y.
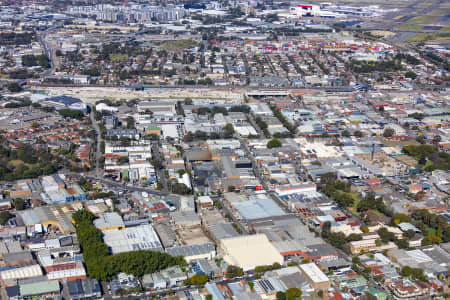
column 422, row 20
column 118, row 57
column 398, row 17
column 445, row 29
column 410, row 27
column 421, row 37
column 429, row 37
column 15, row 162
column 179, row 45
column 400, row 143
column 438, row 12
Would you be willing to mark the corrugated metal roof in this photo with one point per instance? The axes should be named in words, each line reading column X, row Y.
column 39, row 288
column 259, row 208
column 24, row 272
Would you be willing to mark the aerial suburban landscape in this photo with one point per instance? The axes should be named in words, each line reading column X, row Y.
column 224, row 149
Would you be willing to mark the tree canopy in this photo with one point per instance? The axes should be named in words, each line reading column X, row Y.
column 274, row 143
column 103, row 266
column 71, row 113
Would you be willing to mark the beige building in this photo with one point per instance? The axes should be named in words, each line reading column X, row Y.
column 315, row 276
column 250, row 251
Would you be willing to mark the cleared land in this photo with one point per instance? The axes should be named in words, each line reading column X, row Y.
column 428, row 37
column 118, row 57
column 179, row 45
column 422, row 20
column 410, row 27
column 438, row 12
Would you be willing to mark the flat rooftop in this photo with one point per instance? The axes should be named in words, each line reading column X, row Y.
column 129, row 239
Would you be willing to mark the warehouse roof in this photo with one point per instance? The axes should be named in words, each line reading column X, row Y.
column 107, row 220
column 258, row 209
column 222, row 230
column 19, row 273
column 214, row 291
column 185, row 217
column 314, row 273
column 39, row 288
column 438, row 254
column 17, row 257
column 66, row 100
column 191, row 250
column 419, row 256
column 250, row 251
column 84, row 287
column 128, row 239
column 54, row 215
column 320, row 250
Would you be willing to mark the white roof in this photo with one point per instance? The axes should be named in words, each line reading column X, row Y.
column 20, row 273
column 109, row 219
column 419, row 256
column 170, row 130
column 133, row 238
column 314, row 273
column 204, row 199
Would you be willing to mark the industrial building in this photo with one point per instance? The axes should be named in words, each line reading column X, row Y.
column 82, row 289
column 258, row 208
column 194, row 252
column 221, row 231
column 109, row 221
column 250, row 251
column 65, row 102
column 315, row 276
column 49, row 216
column 141, row 237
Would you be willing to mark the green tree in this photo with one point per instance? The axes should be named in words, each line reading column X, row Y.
column 409, row 234
column 197, row 280
column 71, row 113
column 326, row 229
column 228, row 131
column 411, row 75
column 101, row 265
column 29, row 60
column 385, row 235
column 180, row 189
column 233, row 271
column 19, row 204
column 358, row 133
column 345, row 133
column 388, row 132
column 402, row 243
column 417, row 116
column 14, row 87
column 281, row 296
column 4, row 217
column 130, row 122
column 293, row 294
column 437, row 139
column 274, row 143
column 43, row 61
column 123, row 160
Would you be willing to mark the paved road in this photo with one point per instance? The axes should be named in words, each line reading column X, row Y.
column 117, row 185
column 156, row 293
column 47, row 49
column 98, row 153
column 160, row 171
